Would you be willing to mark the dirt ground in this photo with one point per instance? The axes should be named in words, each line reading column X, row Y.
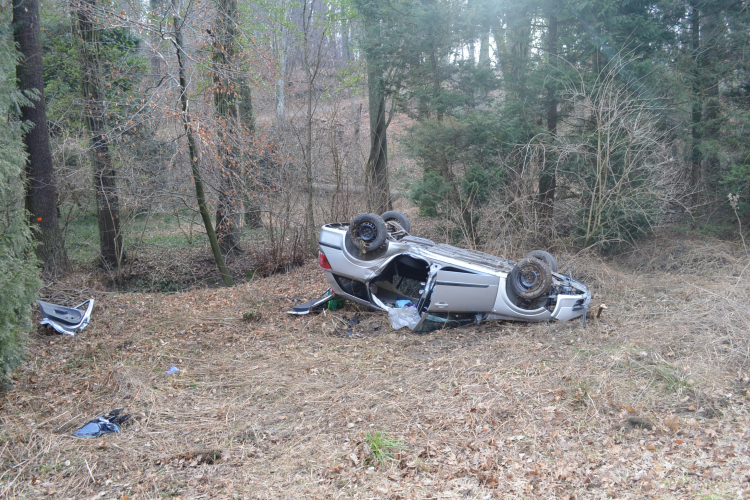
column 649, row 401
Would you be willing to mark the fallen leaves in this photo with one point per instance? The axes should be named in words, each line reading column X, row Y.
column 673, row 422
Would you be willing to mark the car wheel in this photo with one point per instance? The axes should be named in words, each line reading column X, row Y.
column 395, row 216
column 367, row 232
column 544, row 257
column 531, row 278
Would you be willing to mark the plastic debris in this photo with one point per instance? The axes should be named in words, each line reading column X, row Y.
column 324, row 301
column 103, row 424
column 354, row 319
column 336, row 304
column 172, row 370
column 403, row 316
column 66, row 320
column 404, row 303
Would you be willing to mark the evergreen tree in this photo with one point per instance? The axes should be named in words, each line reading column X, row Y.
column 378, row 21
column 18, row 273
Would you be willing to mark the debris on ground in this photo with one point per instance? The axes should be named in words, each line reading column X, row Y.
column 327, row 300
column 66, row 320
column 403, row 316
column 103, row 424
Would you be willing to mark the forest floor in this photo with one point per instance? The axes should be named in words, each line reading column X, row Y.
column 649, row 401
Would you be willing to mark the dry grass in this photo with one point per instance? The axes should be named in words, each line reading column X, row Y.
column 648, row 401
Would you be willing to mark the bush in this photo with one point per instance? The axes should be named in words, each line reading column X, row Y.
column 616, row 161
column 19, row 278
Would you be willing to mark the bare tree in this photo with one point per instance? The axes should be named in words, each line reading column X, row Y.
column 177, row 41
column 105, row 177
column 227, row 102
column 619, row 162
column 313, row 38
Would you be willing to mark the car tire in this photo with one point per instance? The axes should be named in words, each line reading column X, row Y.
column 531, row 278
column 394, row 215
column 367, row 232
column 544, row 257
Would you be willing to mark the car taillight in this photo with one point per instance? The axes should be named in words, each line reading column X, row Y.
column 323, row 261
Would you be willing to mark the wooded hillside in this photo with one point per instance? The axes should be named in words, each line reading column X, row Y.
column 175, row 159
column 514, row 123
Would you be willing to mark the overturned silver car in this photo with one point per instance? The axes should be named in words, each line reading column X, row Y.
column 374, row 261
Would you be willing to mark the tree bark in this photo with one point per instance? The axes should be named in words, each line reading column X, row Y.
column 548, row 181
column 376, row 168
column 226, row 101
column 105, row 177
column 696, row 127
column 711, row 48
column 157, row 8
column 41, row 195
column 200, row 194
column 311, row 69
column 281, row 81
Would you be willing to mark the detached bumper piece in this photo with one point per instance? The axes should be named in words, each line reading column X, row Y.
column 313, row 304
column 66, row 320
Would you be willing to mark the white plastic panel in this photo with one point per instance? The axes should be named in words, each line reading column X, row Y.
column 564, row 308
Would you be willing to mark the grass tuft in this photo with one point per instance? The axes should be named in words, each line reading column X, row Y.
column 382, row 447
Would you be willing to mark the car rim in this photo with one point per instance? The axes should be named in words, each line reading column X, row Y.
column 367, row 232
column 528, row 278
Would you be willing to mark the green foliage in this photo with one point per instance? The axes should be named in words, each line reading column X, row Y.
column 123, row 65
column 458, row 156
column 19, row 277
column 382, row 447
column 428, row 193
column 617, row 159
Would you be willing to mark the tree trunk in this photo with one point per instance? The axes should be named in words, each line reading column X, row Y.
column 376, row 168
column 41, row 195
column 711, row 29
column 157, row 9
column 484, row 49
column 311, row 69
column 245, row 113
column 193, row 149
column 105, row 180
column 355, row 110
column 696, row 127
column 281, row 82
column 548, row 181
column 226, row 101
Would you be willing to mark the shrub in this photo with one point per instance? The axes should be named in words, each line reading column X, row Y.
column 19, row 277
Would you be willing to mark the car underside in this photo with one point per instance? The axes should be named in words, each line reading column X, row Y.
column 445, row 285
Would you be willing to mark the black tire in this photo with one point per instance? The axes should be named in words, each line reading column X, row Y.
column 531, row 278
column 367, row 232
column 393, row 215
column 544, row 257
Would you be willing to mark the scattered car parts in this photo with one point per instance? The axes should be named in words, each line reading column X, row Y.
column 66, row 320
column 102, row 424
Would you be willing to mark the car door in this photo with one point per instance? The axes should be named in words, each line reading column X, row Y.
column 462, row 292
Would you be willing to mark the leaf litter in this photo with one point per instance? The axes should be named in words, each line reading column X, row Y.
column 287, row 407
